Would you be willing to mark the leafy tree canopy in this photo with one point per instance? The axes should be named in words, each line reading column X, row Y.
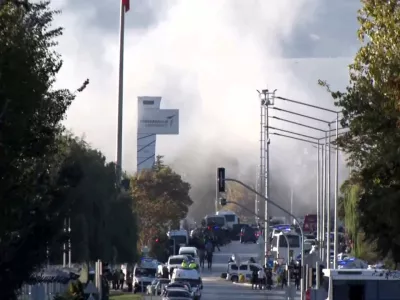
column 35, row 176
column 240, row 195
column 371, row 112
column 96, row 204
column 160, row 199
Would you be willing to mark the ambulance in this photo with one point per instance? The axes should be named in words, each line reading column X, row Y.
column 191, row 277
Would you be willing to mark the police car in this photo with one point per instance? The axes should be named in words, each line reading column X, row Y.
column 191, row 277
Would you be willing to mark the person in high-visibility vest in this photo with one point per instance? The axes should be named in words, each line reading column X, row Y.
column 193, row 265
column 185, row 264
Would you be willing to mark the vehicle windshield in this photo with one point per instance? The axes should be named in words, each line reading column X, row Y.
column 230, row 218
column 188, row 254
column 179, row 239
column 177, row 294
column 175, row 261
column 294, row 241
column 145, row 272
column 219, row 221
column 191, row 281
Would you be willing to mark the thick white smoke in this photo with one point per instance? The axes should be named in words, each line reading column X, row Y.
column 206, row 58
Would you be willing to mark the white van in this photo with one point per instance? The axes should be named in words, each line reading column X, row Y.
column 189, row 276
column 245, row 268
column 180, row 237
column 216, row 221
column 190, row 251
column 230, row 217
column 280, row 249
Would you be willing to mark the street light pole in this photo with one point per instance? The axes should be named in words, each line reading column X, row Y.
column 328, row 205
column 267, row 181
column 336, row 240
column 267, row 99
column 323, row 233
column 318, row 196
column 256, row 201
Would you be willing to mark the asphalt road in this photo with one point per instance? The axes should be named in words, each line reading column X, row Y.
column 218, row 288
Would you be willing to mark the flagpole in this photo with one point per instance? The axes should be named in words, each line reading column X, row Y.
column 120, row 92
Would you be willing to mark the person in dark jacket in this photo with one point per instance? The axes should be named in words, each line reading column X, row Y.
column 254, row 279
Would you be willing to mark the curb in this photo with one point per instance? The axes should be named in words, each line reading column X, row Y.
column 243, row 284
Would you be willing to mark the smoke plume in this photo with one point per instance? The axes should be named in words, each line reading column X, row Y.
column 206, row 58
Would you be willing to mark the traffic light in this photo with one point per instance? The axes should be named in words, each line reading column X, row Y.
column 221, row 180
column 222, row 201
column 157, row 240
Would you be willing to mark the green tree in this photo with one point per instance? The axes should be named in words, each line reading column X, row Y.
column 239, row 194
column 97, row 205
column 371, row 112
column 35, row 174
column 160, row 199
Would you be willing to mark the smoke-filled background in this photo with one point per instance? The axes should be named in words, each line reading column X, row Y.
column 207, row 58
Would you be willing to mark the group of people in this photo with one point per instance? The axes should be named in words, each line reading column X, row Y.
column 206, row 244
column 207, row 253
column 191, row 264
column 262, row 279
column 117, row 279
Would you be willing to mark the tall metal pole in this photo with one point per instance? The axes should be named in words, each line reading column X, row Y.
column 256, row 204
column 262, row 151
column 266, row 177
column 120, row 93
column 318, row 196
column 323, row 239
column 291, row 204
column 216, row 195
column 65, row 244
column 335, row 246
column 69, row 243
column 328, row 204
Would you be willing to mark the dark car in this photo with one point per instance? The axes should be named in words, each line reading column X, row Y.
column 235, row 231
column 248, row 234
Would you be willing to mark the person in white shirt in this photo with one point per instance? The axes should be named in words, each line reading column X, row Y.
column 261, row 278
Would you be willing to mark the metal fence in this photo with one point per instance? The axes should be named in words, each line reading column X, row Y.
column 42, row 291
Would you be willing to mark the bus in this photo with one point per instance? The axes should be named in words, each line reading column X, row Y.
column 215, row 221
column 230, row 217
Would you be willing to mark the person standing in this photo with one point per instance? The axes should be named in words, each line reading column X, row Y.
column 209, row 255
column 261, row 278
column 254, row 279
column 121, row 279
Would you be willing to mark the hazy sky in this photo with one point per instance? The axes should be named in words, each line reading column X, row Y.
column 207, row 58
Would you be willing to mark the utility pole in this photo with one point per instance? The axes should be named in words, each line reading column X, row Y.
column 267, row 99
column 291, row 205
column 256, row 200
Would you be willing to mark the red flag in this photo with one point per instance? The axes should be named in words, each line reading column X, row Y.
column 125, row 3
